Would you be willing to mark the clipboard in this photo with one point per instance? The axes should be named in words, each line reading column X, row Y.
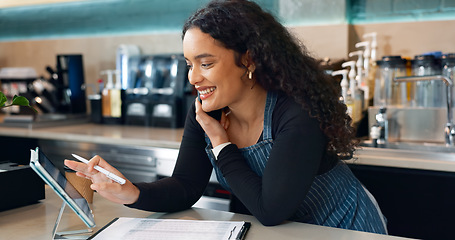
column 150, row 228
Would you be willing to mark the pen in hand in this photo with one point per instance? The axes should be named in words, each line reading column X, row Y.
column 102, row 170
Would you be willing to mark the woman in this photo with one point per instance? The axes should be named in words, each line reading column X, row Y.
column 269, row 122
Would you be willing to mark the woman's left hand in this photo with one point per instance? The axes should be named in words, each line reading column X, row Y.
column 215, row 130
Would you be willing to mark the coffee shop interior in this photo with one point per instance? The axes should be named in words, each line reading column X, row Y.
column 108, row 77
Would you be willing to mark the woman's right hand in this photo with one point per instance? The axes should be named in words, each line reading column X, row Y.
column 127, row 193
column 215, row 130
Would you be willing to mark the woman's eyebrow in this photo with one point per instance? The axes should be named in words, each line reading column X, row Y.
column 203, row 55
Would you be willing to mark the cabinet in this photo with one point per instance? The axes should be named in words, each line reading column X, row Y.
column 418, row 203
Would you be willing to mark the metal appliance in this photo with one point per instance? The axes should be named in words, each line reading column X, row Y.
column 160, row 95
column 419, row 107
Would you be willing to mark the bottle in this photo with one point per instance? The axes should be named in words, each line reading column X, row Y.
column 373, row 45
column 369, row 79
column 116, row 98
column 360, row 78
column 359, row 65
column 344, row 83
column 369, row 73
column 345, row 92
column 106, row 95
column 100, row 85
column 366, row 55
column 356, row 93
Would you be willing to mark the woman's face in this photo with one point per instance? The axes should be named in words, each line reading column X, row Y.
column 213, row 72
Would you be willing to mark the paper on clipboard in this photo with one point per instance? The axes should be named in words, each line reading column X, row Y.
column 171, row 229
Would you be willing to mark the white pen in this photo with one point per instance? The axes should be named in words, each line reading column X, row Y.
column 102, row 170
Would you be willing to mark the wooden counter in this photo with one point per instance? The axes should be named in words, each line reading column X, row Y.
column 37, row 221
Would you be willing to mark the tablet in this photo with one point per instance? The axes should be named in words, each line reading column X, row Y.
column 57, row 181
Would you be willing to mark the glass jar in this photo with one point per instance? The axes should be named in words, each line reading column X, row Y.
column 448, row 69
column 386, row 91
column 427, row 93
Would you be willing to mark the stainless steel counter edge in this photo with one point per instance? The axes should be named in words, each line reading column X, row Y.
column 412, row 159
column 103, row 134
column 170, row 138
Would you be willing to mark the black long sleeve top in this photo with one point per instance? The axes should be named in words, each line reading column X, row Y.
column 298, row 155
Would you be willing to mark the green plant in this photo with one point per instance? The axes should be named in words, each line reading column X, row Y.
column 17, row 100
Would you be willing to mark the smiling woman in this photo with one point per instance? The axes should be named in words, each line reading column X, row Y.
column 279, row 146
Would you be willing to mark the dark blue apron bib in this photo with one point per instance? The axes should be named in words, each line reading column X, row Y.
column 335, row 199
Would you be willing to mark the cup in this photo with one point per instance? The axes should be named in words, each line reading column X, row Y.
column 81, row 184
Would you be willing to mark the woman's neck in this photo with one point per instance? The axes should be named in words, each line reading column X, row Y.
column 250, row 110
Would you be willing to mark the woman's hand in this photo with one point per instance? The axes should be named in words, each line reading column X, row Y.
column 215, row 130
column 123, row 194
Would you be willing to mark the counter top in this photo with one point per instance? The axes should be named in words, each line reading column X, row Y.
column 405, row 158
column 103, row 134
column 37, row 221
column 170, row 138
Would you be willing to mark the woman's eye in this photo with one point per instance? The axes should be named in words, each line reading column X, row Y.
column 206, row 65
column 189, row 66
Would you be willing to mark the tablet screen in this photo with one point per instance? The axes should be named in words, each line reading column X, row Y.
column 55, row 173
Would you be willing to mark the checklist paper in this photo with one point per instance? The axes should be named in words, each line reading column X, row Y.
column 171, row 229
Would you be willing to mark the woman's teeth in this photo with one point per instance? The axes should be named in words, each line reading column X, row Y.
column 208, row 90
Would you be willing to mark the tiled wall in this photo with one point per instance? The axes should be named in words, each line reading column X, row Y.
column 374, row 11
column 125, row 17
column 97, row 18
column 33, row 36
column 114, row 17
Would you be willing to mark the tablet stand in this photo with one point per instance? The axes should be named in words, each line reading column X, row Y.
column 81, row 234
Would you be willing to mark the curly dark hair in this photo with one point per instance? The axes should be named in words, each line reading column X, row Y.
column 282, row 64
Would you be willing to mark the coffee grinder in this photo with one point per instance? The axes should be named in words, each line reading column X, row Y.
column 161, row 95
column 69, row 84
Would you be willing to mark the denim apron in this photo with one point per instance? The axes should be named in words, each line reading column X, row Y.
column 335, row 199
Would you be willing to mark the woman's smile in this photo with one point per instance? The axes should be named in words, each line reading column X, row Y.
column 204, row 93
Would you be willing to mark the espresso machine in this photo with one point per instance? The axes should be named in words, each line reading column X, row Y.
column 160, row 95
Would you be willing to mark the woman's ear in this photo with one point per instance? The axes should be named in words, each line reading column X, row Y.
column 247, row 61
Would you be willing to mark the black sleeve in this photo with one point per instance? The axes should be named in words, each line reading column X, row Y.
column 298, row 147
column 189, row 179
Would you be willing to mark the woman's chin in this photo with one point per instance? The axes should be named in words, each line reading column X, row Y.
column 208, row 108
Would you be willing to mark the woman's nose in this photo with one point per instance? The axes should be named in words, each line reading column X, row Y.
column 194, row 77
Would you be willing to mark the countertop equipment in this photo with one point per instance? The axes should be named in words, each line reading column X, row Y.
column 60, row 100
column 161, row 94
column 17, row 81
column 20, row 186
column 70, row 82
